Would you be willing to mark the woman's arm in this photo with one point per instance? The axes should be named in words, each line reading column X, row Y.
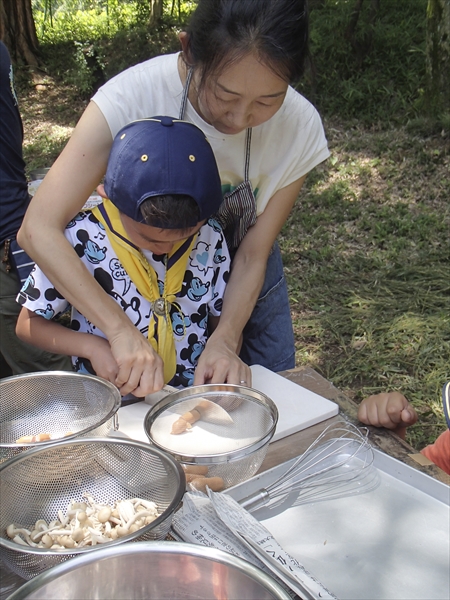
column 219, row 361
column 54, row 337
column 73, row 177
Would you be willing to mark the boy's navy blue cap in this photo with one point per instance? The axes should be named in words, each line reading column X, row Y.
column 159, row 156
column 446, row 401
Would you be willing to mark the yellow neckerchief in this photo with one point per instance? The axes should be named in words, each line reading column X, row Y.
column 146, row 281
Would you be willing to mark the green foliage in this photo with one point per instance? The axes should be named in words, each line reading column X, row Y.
column 378, row 75
column 45, row 148
column 86, row 42
column 88, row 20
column 70, row 23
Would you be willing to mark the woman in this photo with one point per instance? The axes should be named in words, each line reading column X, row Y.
column 231, row 80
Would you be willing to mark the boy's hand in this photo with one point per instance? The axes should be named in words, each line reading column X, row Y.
column 101, row 357
column 140, row 370
column 391, row 410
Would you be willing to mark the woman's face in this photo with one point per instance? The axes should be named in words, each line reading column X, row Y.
column 245, row 94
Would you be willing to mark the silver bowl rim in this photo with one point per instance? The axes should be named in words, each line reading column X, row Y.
column 203, row 390
column 183, row 548
column 38, row 171
column 168, row 512
column 65, row 374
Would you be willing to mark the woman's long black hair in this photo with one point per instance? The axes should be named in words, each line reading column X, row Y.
column 223, row 31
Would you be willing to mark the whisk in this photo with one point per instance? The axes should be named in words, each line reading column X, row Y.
column 340, row 466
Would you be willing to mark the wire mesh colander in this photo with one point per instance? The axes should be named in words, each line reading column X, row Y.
column 38, row 483
column 233, row 449
column 60, row 403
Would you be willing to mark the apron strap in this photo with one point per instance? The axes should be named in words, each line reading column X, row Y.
column 248, row 143
column 184, row 98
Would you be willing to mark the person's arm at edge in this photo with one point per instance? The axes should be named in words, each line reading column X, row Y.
column 388, row 409
column 73, row 177
column 54, row 337
column 219, row 362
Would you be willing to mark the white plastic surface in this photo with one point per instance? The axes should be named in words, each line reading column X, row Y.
column 392, row 543
column 298, row 408
column 131, row 422
column 206, row 438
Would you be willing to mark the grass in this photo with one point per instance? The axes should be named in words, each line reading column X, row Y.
column 367, row 258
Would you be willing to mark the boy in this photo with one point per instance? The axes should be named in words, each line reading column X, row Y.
column 150, row 245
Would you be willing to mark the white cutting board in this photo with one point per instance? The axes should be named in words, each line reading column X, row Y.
column 298, row 408
column 131, row 422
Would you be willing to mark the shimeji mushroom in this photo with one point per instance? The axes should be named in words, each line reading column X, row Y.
column 87, row 523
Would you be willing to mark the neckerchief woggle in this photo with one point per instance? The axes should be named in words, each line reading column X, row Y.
column 146, row 281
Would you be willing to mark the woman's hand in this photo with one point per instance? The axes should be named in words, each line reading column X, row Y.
column 391, row 410
column 219, row 363
column 140, row 370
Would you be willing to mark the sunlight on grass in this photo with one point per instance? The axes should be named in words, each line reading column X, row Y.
column 366, row 260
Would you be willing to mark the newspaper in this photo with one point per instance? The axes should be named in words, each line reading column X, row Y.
column 218, row 521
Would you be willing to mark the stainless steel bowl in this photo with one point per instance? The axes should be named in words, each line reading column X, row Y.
column 153, row 571
column 39, row 173
column 232, row 449
column 63, row 404
column 42, row 481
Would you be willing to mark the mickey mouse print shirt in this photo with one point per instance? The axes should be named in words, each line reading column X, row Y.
column 201, row 295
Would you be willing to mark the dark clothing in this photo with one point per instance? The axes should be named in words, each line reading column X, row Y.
column 19, row 356
column 269, row 336
column 14, row 198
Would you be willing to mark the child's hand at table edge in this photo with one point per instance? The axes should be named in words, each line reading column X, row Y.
column 389, row 409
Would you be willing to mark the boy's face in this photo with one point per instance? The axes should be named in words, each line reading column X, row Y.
column 155, row 239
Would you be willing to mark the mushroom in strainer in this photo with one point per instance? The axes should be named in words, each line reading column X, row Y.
column 87, row 523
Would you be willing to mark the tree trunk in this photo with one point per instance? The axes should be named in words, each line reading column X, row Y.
column 362, row 44
column 19, row 31
column 438, row 57
column 353, row 22
column 156, row 10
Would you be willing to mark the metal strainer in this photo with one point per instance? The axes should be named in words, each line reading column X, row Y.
column 54, row 402
column 38, row 483
column 231, row 449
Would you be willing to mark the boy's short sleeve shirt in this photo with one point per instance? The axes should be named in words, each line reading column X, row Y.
column 283, row 149
column 201, row 295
